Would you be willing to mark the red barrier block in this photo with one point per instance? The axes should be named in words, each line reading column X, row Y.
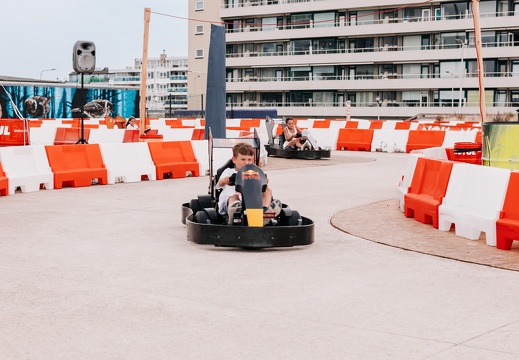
column 507, row 226
column 427, row 190
column 355, row 139
column 424, row 139
column 69, row 136
column 174, row 158
column 4, row 182
column 76, row 165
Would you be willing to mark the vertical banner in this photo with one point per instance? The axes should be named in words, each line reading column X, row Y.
column 215, row 92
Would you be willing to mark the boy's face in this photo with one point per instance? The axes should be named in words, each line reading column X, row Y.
column 290, row 124
column 242, row 160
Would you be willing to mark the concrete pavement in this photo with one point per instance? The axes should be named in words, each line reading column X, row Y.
column 106, row 272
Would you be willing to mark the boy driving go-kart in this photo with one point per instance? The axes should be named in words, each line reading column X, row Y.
column 230, row 200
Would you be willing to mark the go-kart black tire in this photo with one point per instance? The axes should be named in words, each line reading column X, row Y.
column 293, row 220
column 194, row 205
column 202, row 217
column 205, row 201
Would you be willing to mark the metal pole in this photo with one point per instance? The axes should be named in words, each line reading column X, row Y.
column 144, row 70
column 462, row 46
column 479, row 56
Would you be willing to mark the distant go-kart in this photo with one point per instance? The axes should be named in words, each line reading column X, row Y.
column 275, row 145
column 206, row 226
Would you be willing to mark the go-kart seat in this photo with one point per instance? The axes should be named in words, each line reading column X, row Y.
column 228, row 164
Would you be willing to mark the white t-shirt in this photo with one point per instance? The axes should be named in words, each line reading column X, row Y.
column 227, row 191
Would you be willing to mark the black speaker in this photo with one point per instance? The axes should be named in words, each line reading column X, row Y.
column 84, row 57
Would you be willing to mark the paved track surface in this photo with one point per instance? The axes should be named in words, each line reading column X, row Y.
column 105, row 272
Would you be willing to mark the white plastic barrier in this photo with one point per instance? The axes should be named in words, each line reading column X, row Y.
column 385, row 140
column 454, row 136
column 44, row 135
column 434, row 152
column 127, row 161
column 326, row 138
column 363, row 124
column 100, row 136
column 407, row 177
column 26, row 167
column 473, row 200
column 202, row 155
column 170, row 134
column 389, row 125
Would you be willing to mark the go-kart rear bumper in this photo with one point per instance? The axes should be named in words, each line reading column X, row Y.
column 248, row 237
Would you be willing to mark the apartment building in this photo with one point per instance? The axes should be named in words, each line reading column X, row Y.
column 373, row 58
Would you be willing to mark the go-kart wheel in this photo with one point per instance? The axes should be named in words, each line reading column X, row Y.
column 202, row 217
column 294, row 218
column 194, row 205
column 205, row 201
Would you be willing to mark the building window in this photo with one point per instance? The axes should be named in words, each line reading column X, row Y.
column 199, row 29
column 199, row 6
column 199, row 53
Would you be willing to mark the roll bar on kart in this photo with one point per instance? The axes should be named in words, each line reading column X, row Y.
column 229, row 143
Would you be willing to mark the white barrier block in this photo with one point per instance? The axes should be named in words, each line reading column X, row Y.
column 326, row 138
column 202, row 155
column 414, row 126
column 170, row 134
column 454, row 136
column 363, row 124
column 407, row 177
column 26, row 167
column 127, row 161
column 44, row 135
column 389, row 125
column 385, row 140
column 232, row 122
column 100, row 136
column 474, row 198
column 437, row 152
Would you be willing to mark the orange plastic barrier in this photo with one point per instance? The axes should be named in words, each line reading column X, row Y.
column 76, row 165
column 403, row 125
column 479, row 137
column 468, row 152
column 351, row 124
column 151, row 135
column 322, row 124
column 198, row 134
column 246, row 124
column 174, row 158
column 67, row 136
column 355, row 139
column 4, row 182
column 376, row 124
column 14, row 132
column 424, row 139
column 428, row 187
column 131, row 136
column 507, row 226
column 35, row 123
column 174, row 123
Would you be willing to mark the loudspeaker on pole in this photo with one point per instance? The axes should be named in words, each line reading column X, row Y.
column 84, row 57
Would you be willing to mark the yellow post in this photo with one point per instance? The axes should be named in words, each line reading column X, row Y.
column 144, row 70
column 481, row 72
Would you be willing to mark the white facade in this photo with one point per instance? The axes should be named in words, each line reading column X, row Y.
column 400, row 59
column 166, row 82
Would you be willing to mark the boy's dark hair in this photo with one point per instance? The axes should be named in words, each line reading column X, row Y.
column 287, row 119
column 242, row 149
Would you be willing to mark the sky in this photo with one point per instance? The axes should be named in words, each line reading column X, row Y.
column 40, row 35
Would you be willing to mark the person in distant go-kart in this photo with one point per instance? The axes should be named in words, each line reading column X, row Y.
column 293, row 136
column 230, row 201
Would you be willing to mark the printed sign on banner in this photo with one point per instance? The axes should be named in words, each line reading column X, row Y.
column 14, row 132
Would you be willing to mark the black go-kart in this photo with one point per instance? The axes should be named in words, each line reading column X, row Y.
column 206, row 226
column 275, row 145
